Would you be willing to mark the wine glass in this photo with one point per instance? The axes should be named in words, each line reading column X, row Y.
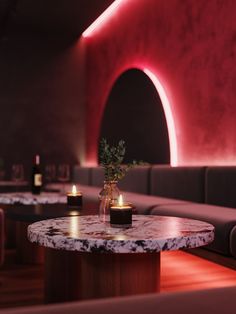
column 63, row 175
column 17, row 172
column 50, row 172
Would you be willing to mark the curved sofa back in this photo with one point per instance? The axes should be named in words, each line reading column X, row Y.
column 185, row 183
column 82, row 175
column 221, row 186
column 136, row 180
column 211, row 185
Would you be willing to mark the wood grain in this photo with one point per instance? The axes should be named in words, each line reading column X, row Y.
column 72, row 275
column 27, row 252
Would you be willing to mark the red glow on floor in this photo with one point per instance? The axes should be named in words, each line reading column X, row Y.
column 103, row 18
column 181, row 271
column 168, row 115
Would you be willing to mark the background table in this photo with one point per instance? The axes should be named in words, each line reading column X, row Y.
column 24, row 198
column 13, row 186
column 23, row 215
column 27, row 198
column 88, row 259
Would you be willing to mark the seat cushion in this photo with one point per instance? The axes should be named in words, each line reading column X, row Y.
column 145, row 203
column 221, row 186
column 142, row 203
column 186, row 183
column 223, row 219
column 90, row 193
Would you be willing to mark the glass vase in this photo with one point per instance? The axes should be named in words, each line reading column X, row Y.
column 108, row 196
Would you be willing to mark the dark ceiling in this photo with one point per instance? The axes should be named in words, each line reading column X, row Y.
column 54, row 17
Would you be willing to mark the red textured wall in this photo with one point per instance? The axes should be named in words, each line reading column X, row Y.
column 191, row 47
column 41, row 87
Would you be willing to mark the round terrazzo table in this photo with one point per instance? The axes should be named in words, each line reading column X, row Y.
column 27, row 198
column 88, row 259
column 20, row 209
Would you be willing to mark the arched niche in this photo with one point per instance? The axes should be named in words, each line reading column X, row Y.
column 134, row 113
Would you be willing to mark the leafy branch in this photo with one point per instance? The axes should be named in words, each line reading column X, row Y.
column 111, row 159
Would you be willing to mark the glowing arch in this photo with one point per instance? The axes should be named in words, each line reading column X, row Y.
column 168, row 115
column 102, row 18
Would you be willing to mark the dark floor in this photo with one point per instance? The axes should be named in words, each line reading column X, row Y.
column 23, row 284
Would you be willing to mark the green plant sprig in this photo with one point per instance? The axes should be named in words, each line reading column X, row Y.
column 111, row 159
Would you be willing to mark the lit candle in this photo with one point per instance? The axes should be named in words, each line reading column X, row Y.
column 74, row 198
column 121, row 214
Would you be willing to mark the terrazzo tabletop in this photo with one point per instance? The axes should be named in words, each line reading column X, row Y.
column 147, row 234
column 27, row 198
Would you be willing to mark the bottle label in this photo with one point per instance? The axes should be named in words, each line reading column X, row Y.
column 37, row 179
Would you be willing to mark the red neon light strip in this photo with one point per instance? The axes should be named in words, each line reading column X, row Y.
column 165, row 102
column 102, row 18
column 169, row 117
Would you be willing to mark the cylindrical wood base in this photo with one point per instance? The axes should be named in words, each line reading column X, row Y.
column 10, row 234
column 75, row 276
column 27, row 252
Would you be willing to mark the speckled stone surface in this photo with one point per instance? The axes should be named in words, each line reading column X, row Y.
column 27, row 198
column 148, row 234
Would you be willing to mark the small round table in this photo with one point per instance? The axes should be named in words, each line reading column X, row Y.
column 23, row 215
column 27, row 198
column 88, row 259
column 19, row 208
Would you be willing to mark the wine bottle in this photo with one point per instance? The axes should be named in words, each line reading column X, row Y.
column 36, row 176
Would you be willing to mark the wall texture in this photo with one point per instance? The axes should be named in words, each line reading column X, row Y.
column 42, row 79
column 191, row 48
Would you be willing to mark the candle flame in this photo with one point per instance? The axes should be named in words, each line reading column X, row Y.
column 74, row 191
column 120, row 200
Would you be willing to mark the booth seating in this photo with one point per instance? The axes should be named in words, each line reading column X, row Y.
column 221, row 186
column 1, row 237
column 203, row 193
column 217, row 301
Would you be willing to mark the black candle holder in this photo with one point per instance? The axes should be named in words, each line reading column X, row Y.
column 121, row 216
column 74, row 200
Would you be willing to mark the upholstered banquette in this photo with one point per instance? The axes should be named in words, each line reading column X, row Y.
column 1, row 237
column 203, row 193
column 215, row 301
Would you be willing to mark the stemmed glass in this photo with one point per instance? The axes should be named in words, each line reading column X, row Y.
column 50, row 173
column 63, row 175
column 17, row 172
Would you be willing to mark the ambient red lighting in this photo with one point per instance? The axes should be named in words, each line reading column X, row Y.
column 169, row 117
column 102, row 18
column 89, row 163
